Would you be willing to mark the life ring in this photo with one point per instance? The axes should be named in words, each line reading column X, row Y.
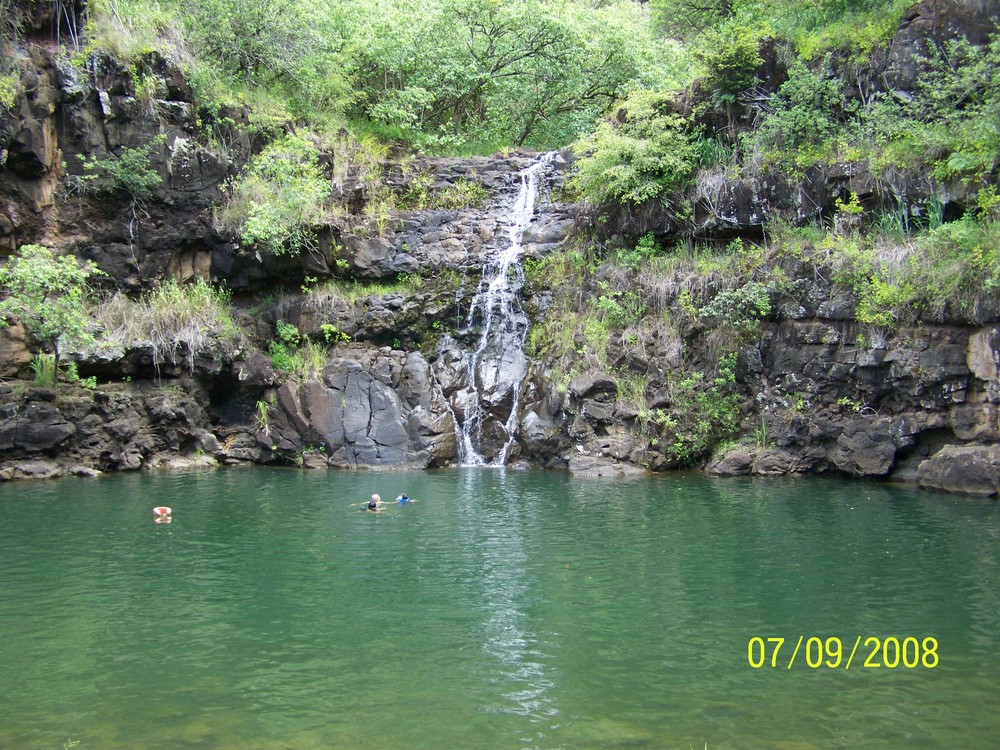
column 161, row 511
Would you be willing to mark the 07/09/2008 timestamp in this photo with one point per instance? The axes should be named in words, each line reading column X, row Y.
column 872, row 652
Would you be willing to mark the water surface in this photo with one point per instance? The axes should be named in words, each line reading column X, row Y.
column 504, row 609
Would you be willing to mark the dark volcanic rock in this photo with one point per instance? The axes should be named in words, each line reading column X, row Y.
column 371, row 408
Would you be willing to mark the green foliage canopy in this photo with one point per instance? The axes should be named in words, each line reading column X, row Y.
column 499, row 71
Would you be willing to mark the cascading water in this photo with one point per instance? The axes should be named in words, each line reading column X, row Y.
column 497, row 366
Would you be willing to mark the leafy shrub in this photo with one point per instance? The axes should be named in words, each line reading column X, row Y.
column 959, row 106
column 741, row 308
column 804, row 118
column 130, row 172
column 644, row 251
column 10, row 87
column 730, row 54
column 647, row 154
column 619, row 308
column 279, row 197
column 702, row 412
column 294, row 353
column 49, row 296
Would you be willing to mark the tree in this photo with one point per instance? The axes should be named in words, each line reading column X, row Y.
column 499, row 72
column 688, row 18
column 48, row 295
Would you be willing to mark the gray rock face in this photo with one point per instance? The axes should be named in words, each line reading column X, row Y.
column 34, row 428
column 865, row 448
column 371, row 408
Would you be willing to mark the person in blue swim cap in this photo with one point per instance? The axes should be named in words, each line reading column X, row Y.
column 403, row 499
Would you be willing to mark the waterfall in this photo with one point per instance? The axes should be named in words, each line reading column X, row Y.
column 497, row 366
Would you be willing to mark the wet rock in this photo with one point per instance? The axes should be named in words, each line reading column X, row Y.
column 182, row 463
column 30, row 470
column 778, row 462
column 379, row 408
column 736, row 462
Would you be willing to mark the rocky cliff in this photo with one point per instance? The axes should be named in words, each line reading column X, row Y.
column 808, row 390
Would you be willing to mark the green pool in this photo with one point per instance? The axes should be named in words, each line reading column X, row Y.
column 503, row 610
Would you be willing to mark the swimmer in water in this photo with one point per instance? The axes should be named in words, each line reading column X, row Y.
column 403, row 499
column 375, row 504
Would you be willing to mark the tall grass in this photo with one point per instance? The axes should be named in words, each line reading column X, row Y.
column 43, row 368
column 131, row 29
column 171, row 319
column 335, row 291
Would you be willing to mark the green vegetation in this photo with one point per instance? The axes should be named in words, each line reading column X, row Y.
column 263, row 417
column 702, row 412
column 278, row 197
column 442, row 75
column 946, row 126
column 48, row 295
column 44, row 368
column 129, row 172
column 660, row 104
column 294, row 353
column 463, row 193
column 647, row 153
column 10, row 87
column 173, row 319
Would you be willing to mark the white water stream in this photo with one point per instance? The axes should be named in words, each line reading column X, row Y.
column 498, row 365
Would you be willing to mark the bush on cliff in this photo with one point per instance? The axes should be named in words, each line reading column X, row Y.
column 48, row 294
column 647, row 152
column 279, row 197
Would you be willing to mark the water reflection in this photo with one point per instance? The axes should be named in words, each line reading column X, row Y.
column 494, row 539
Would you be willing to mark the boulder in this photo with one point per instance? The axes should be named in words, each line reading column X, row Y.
column 593, row 384
column 30, row 470
column 973, row 470
column 736, row 462
column 778, row 462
